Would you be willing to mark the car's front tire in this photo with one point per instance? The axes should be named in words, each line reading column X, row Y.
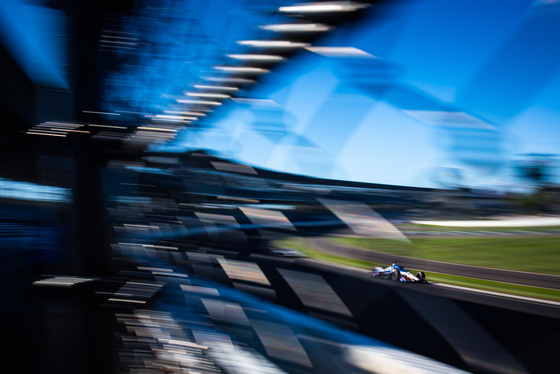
column 396, row 275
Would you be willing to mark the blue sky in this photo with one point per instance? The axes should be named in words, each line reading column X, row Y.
column 493, row 66
column 34, row 36
column 452, row 93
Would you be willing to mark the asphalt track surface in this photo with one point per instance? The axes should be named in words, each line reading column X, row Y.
column 384, row 259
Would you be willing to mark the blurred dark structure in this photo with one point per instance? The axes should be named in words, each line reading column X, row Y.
column 88, row 200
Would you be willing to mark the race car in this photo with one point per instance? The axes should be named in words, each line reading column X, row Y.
column 397, row 273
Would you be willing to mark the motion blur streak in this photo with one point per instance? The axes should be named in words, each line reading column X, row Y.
column 35, row 36
column 313, row 291
column 243, row 270
column 215, row 186
column 476, row 346
column 11, row 189
column 363, row 220
column 281, row 343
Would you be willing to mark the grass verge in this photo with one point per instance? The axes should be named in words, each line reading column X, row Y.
column 507, row 288
column 517, row 230
column 540, row 254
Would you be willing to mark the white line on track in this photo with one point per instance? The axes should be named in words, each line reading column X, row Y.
column 499, row 294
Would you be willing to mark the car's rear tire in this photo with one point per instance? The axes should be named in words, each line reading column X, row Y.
column 396, row 276
column 420, row 275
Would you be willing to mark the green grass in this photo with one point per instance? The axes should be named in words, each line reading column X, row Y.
column 512, row 289
column 531, row 254
column 507, row 288
column 420, row 227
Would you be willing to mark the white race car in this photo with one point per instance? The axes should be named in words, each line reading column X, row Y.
column 397, row 273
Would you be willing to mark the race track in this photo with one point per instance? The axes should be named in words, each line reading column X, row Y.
column 498, row 275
